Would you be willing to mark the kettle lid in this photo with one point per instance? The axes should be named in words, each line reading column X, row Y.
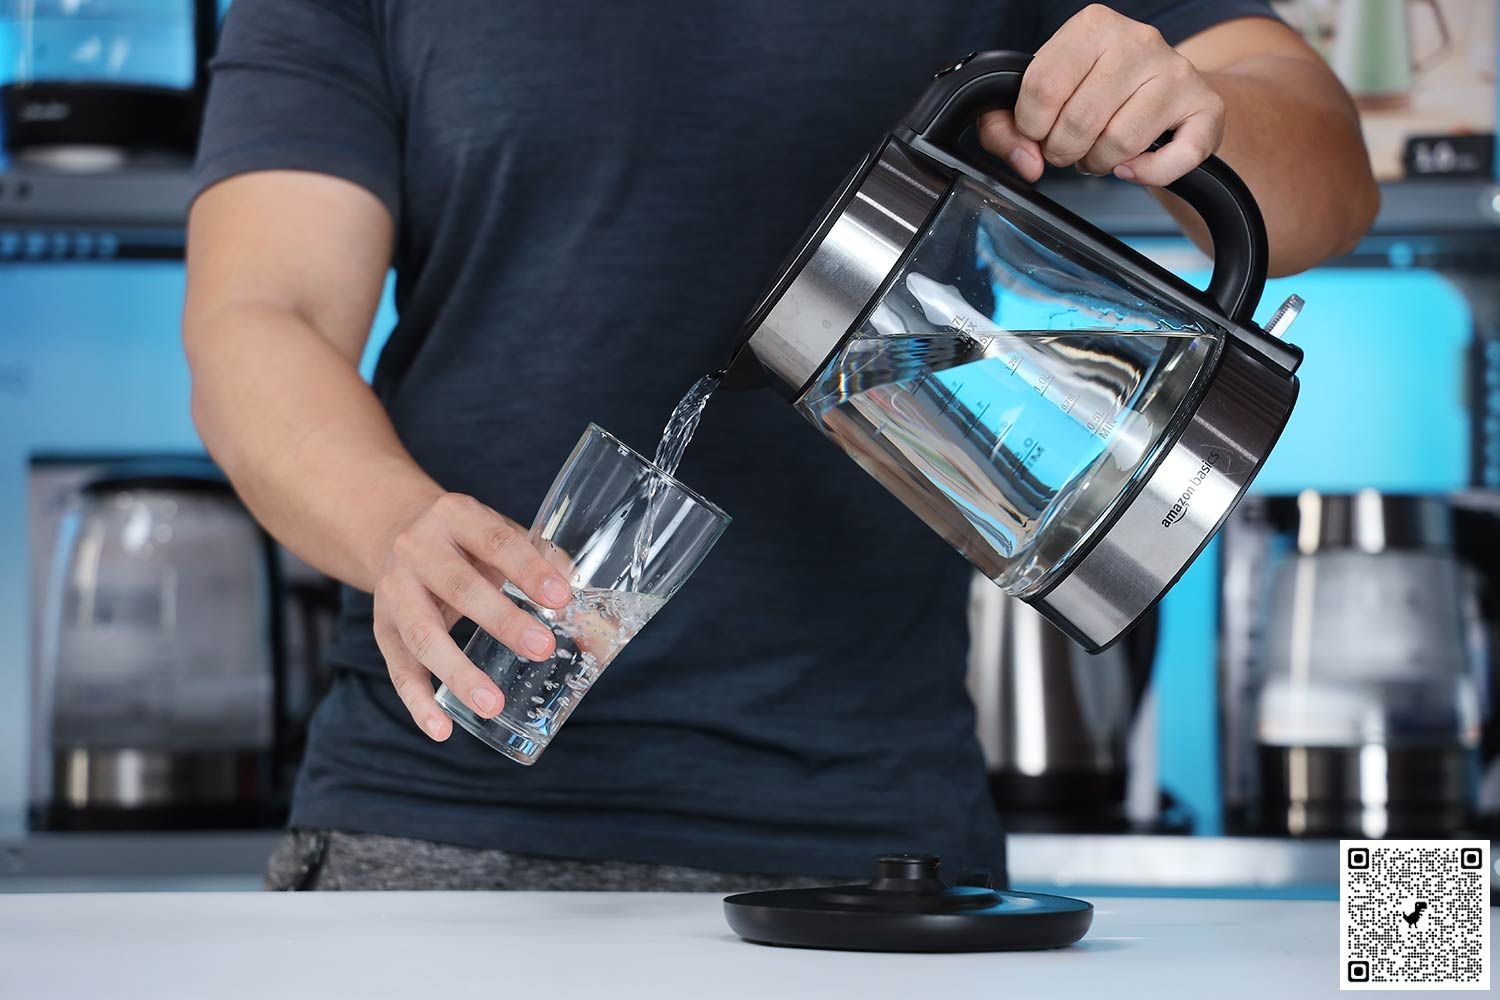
column 908, row 907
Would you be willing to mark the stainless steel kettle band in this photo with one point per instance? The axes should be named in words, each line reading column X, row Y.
column 846, row 269
column 1190, row 492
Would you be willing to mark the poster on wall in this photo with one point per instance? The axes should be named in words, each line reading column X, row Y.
column 1422, row 73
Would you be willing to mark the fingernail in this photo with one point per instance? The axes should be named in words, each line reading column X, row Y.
column 554, row 591
column 485, row 701
column 434, row 727
column 1124, row 173
column 1025, row 163
column 537, row 640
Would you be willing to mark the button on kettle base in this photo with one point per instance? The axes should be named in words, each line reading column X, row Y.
column 908, row 907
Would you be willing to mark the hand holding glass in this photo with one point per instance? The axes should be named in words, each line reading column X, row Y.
column 606, row 503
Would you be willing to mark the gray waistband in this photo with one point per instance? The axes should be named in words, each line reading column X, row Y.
column 335, row 860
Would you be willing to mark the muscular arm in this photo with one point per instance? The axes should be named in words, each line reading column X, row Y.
column 1103, row 87
column 285, row 271
column 1292, row 133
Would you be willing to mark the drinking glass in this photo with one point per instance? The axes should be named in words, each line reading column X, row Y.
column 626, row 536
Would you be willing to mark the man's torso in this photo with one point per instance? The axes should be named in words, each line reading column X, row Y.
column 592, row 196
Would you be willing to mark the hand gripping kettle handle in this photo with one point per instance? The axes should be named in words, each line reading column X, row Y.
column 990, row 80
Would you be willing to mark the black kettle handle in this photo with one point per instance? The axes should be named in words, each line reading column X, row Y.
column 989, row 80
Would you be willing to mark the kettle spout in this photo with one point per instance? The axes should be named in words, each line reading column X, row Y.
column 744, row 371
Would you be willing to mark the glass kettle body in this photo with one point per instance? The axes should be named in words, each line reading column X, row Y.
column 1071, row 417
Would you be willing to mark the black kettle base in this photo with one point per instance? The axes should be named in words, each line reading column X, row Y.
column 908, row 908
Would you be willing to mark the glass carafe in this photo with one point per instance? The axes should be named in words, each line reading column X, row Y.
column 1071, row 416
column 1007, row 389
column 1370, row 648
column 1368, row 718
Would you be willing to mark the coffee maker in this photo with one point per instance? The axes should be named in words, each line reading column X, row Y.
column 104, row 84
column 1358, row 665
column 176, row 651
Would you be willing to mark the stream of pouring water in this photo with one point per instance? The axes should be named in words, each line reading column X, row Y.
column 674, row 440
column 683, row 422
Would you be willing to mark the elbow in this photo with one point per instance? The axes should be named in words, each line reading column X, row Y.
column 196, row 345
column 198, row 412
column 1361, row 206
column 204, row 414
column 192, row 340
column 208, row 422
column 1353, row 203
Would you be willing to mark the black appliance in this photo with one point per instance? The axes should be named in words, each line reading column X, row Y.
column 47, row 119
column 907, row 906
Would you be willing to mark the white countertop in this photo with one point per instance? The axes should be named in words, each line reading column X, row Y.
column 616, row 946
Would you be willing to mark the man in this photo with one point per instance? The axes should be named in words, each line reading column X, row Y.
column 582, row 200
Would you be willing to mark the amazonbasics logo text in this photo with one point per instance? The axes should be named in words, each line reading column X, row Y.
column 1179, row 509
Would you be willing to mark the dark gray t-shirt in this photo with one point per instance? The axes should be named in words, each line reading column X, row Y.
column 589, row 196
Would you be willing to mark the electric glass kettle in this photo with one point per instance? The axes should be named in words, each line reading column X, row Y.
column 1070, row 416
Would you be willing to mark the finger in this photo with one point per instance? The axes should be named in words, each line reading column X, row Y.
column 1136, row 53
column 413, row 686
column 461, row 587
column 1141, row 120
column 998, row 134
column 501, row 543
column 418, row 626
column 1057, row 69
column 1195, row 141
column 494, row 576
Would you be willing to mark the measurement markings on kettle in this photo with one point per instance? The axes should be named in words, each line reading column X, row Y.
column 975, row 418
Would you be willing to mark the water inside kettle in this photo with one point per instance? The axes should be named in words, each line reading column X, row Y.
column 1008, row 443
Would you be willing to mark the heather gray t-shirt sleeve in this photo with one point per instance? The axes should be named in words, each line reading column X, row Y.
column 301, row 85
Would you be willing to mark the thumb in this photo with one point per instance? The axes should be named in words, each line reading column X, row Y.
column 998, row 135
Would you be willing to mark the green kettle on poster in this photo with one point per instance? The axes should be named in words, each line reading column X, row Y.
column 1373, row 51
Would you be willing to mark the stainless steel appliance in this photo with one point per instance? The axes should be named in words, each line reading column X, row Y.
column 1070, row 416
column 1355, row 673
column 1056, row 722
column 161, row 694
column 92, row 84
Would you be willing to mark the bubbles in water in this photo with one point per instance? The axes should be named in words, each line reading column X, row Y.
column 590, row 632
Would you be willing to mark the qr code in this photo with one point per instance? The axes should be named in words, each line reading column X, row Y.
column 1414, row 914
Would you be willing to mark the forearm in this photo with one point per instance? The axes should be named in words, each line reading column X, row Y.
column 1277, row 109
column 302, row 437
